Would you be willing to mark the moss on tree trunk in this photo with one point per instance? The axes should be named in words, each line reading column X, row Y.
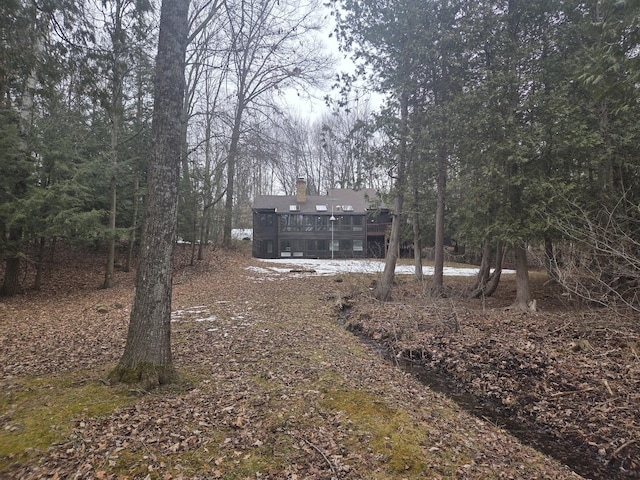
column 146, row 375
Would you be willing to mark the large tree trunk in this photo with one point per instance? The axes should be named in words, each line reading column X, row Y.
column 147, row 355
column 523, row 290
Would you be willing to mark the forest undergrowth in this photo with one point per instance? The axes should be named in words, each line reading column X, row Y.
column 273, row 387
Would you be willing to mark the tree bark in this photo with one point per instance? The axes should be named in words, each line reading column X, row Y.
column 111, row 235
column 231, row 173
column 482, row 277
column 494, row 278
column 10, row 286
column 523, row 290
column 438, row 261
column 384, row 287
column 417, row 244
column 550, row 260
column 147, row 357
column 115, row 115
column 487, row 281
column 383, row 290
column 40, row 264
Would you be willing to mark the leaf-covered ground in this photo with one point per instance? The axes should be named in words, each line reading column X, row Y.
column 569, row 372
column 273, row 386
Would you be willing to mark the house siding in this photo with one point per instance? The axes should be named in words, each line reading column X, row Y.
column 286, row 227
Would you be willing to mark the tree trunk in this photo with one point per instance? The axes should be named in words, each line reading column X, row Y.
column 417, row 244
column 115, row 114
column 523, row 290
column 111, row 235
column 231, row 174
column 487, row 281
column 494, row 278
column 438, row 264
column 40, row 264
column 10, row 286
column 204, row 229
column 192, row 261
column 383, row 290
column 550, row 260
column 482, row 277
column 147, row 357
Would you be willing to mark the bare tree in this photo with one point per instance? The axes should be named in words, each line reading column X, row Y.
column 272, row 48
column 346, row 145
column 201, row 135
column 120, row 16
column 601, row 258
column 147, row 357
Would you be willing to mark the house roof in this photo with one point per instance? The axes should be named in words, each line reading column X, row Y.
column 338, row 198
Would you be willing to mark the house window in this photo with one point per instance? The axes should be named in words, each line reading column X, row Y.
column 298, row 248
column 344, row 224
column 322, row 222
column 266, row 220
column 290, row 223
column 334, row 246
column 285, row 248
column 284, row 223
column 308, row 222
column 358, row 223
column 358, row 246
column 346, row 245
column 295, row 222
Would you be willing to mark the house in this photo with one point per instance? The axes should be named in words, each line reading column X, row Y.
column 341, row 224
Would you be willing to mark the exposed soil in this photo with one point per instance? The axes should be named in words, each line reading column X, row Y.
column 277, row 389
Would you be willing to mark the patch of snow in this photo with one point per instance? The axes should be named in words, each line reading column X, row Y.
column 242, row 233
column 258, row 269
column 191, row 312
column 333, row 267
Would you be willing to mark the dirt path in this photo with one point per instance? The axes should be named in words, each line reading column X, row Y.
column 276, row 389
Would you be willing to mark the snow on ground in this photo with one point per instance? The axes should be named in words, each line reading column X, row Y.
column 333, row 267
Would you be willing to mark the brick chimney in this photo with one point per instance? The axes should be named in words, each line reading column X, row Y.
column 301, row 190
